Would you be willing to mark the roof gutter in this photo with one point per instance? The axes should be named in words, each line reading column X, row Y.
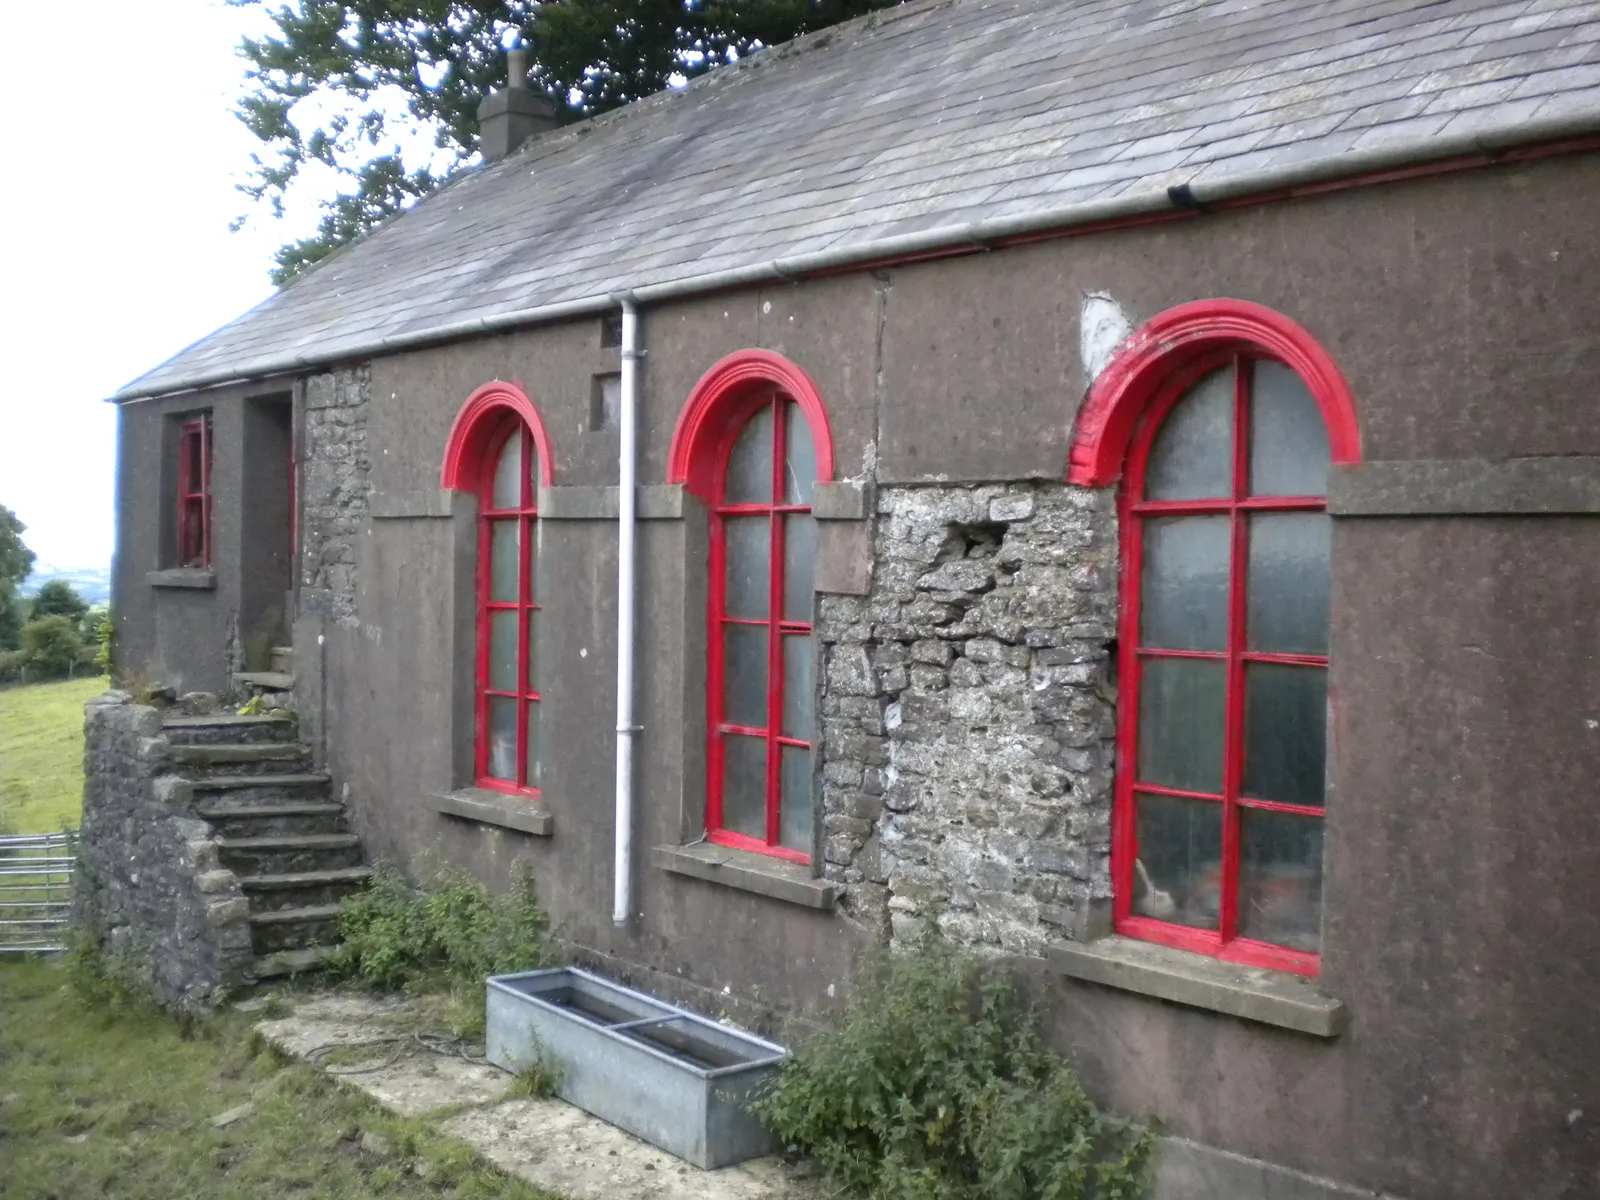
column 1536, row 139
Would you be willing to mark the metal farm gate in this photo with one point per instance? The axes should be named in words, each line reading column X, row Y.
column 36, row 891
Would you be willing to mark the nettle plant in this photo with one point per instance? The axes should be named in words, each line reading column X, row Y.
column 936, row 1084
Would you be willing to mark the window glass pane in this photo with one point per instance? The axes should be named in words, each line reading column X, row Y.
column 533, row 649
column 799, row 566
column 1287, row 583
column 534, row 532
column 1191, row 457
column 192, row 536
column 193, row 450
column 503, row 649
column 507, row 491
column 794, row 809
column 744, row 674
column 748, row 554
column 1285, row 732
column 1181, row 711
column 1280, row 878
column 502, row 738
column 1184, row 583
column 744, row 785
column 503, row 563
column 1177, row 876
column 799, row 684
column 535, row 745
column 799, row 457
column 749, row 478
column 1288, row 442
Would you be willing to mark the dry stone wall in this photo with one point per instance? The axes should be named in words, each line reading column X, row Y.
column 151, row 890
column 968, row 709
column 334, row 489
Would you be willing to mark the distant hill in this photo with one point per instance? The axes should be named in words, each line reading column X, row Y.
column 92, row 583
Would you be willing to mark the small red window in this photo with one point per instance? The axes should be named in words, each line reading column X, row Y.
column 508, row 743
column 194, row 492
column 1217, row 843
column 763, row 551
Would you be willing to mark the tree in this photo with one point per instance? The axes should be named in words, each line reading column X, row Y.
column 16, row 560
column 52, row 644
column 356, row 63
column 58, row 598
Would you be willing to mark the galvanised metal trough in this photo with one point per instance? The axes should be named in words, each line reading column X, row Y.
column 675, row 1079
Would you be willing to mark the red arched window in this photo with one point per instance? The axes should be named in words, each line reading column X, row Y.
column 508, row 546
column 753, row 442
column 1222, row 729
column 495, row 449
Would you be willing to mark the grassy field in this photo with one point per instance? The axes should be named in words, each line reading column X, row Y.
column 122, row 1101
column 41, row 754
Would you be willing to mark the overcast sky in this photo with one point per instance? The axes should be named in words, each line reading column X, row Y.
column 116, row 244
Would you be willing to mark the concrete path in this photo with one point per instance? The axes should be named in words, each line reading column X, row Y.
column 549, row 1143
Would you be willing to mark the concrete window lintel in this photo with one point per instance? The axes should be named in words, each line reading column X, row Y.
column 846, row 500
column 183, row 577
column 1270, row 997
column 748, row 871
column 495, row 808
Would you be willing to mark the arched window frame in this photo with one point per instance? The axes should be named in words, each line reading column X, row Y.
column 729, row 395
column 491, row 416
column 1117, row 425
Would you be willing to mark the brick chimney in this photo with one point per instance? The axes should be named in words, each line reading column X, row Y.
column 509, row 117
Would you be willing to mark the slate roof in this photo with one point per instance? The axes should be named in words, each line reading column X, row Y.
column 900, row 129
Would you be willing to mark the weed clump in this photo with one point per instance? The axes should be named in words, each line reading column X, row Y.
column 936, row 1084
column 446, row 931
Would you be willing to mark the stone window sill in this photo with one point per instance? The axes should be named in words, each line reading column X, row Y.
column 747, row 871
column 183, row 577
column 495, row 808
column 1270, row 997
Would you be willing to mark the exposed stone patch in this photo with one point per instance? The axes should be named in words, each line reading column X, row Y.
column 968, row 715
column 150, row 886
column 335, row 489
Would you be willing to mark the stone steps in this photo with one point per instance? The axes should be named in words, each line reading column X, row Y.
column 303, row 889
column 281, row 659
column 251, row 791
column 291, row 962
column 274, row 820
column 229, row 729
column 240, row 758
column 287, row 855
column 295, row 928
column 277, row 830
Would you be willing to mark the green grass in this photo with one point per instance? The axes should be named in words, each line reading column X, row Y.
column 41, row 754
column 119, row 1101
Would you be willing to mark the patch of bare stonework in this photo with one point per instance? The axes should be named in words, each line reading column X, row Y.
column 334, row 489
column 968, row 716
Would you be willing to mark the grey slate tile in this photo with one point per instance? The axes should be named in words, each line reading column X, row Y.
column 992, row 108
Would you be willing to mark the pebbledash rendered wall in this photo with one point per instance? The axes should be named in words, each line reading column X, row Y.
column 965, row 628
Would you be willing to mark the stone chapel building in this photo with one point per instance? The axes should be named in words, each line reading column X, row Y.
column 1118, row 480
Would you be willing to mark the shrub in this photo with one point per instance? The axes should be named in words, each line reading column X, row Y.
column 935, row 1084
column 52, row 646
column 449, row 930
column 97, row 634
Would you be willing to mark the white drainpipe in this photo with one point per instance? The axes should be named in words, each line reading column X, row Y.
column 622, row 892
